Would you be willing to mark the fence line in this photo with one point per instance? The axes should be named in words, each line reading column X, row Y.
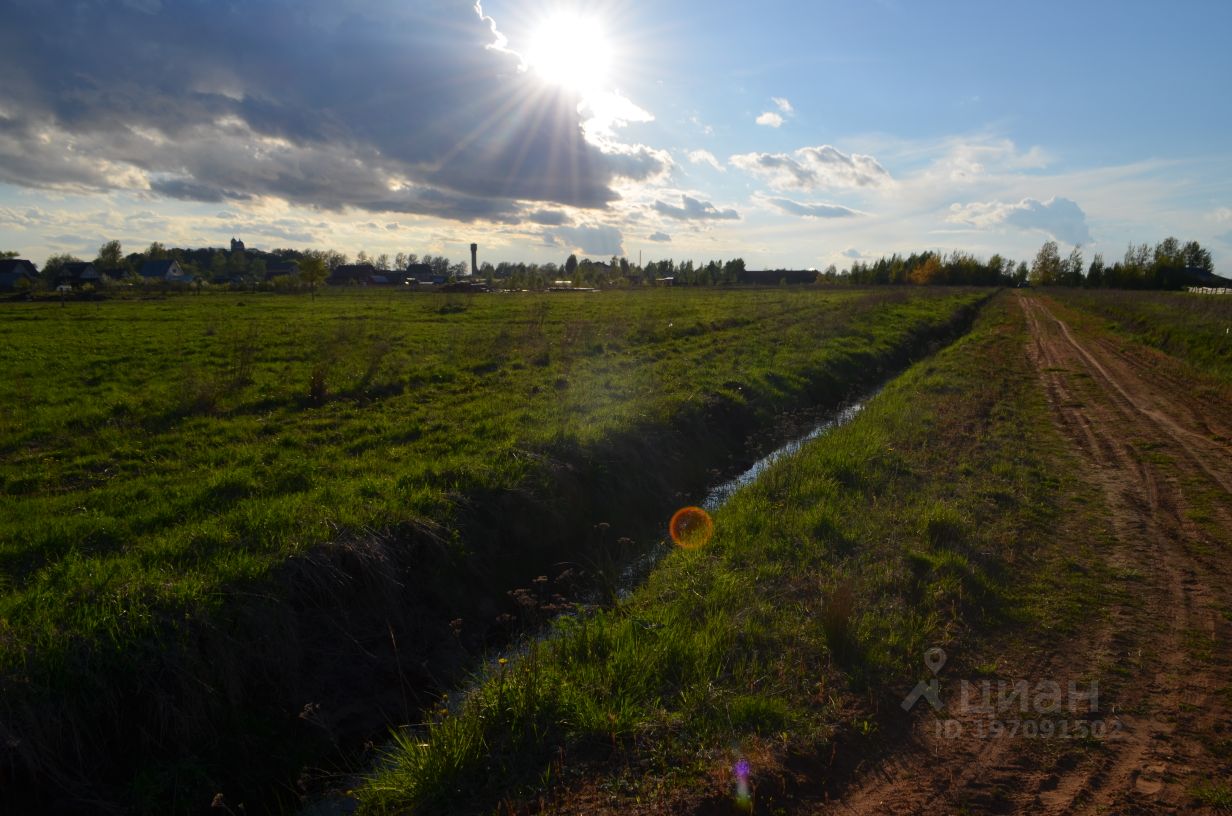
column 1209, row 290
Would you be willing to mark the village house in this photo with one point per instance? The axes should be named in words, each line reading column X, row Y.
column 167, row 271
column 15, row 270
column 353, row 274
column 78, row 273
column 281, row 269
column 422, row 273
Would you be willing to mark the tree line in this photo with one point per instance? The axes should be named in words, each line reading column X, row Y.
column 1167, row 265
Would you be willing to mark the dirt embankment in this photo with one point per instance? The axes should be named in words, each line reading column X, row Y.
column 1162, row 456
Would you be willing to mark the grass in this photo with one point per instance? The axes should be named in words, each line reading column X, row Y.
column 205, row 499
column 930, row 520
column 1195, row 328
column 1213, row 794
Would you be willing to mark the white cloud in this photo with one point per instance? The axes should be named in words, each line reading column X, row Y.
column 604, row 112
column 707, row 158
column 770, row 119
column 783, row 105
column 1059, row 218
column 702, row 126
column 814, row 167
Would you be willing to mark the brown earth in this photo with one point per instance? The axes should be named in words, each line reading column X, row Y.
column 1160, row 450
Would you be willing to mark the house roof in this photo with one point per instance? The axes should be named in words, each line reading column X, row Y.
column 13, row 266
column 157, row 269
column 77, row 269
column 274, row 269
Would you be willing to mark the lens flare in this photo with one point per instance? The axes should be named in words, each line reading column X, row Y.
column 741, row 772
column 691, row 528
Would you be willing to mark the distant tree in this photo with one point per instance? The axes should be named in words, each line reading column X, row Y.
column 1046, row 268
column 54, row 266
column 110, row 255
column 156, row 252
column 571, row 265
column 218, row 265
column 312, row 270
column 400, row 261
column 1195, row 257
column 1021, row 273
column 733, row 270
column 1071, row 269
column 334, row 259
column 256, row 268
column 362, row 257
column 382, row 262
column 929, row 272
column 1095, row 274
column 8, row 253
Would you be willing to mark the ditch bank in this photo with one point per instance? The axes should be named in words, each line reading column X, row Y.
column 285, row 684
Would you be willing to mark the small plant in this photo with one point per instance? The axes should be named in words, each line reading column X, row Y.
column 318, row 389
column 1215, row 794
column 199, row 393
column 837, row 610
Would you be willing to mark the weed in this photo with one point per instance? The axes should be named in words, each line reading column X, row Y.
column 1214, row 794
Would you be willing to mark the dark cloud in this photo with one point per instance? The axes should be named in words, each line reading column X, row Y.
column 548, row 218
column 374, row 104
column 812, row 210
column 600, row 240
column 661, row 237
column 189, row 190
column 691, row 209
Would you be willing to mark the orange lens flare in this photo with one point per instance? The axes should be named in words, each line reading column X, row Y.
column 691, row 528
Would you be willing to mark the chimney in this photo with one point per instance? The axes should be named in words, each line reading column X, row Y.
column 474, row 259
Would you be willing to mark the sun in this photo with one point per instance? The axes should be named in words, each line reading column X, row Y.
column 570, row 50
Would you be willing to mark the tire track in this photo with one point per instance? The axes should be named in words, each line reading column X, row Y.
column 1138, row 433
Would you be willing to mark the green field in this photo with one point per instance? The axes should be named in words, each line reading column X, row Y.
column 943, row 515
column 196, row 492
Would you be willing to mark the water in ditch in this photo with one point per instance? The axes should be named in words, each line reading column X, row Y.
column 718, row 495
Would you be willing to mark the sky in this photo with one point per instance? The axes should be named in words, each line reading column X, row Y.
column 794, row 135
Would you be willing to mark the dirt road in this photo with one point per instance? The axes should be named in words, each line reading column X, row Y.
column 1160, row 727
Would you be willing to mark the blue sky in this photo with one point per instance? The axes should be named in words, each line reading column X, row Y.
column 792, row 134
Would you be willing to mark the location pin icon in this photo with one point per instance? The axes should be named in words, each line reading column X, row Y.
column 934, row 659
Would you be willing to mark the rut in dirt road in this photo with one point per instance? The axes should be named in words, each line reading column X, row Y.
column 1163, row 461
